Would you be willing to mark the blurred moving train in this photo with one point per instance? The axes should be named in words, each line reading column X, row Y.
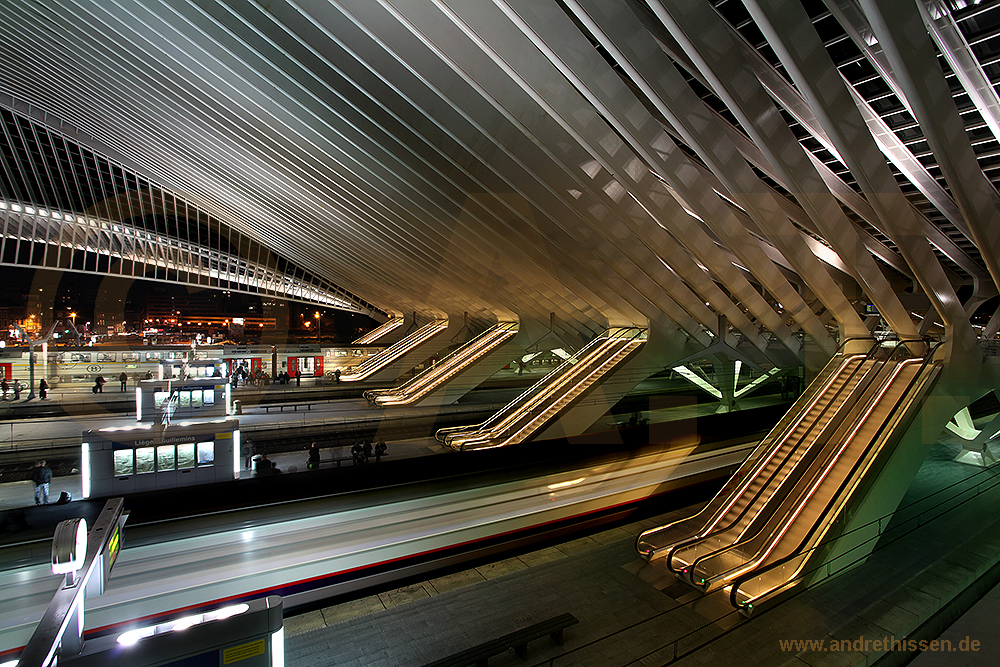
column 341, row 543
column 80, row 366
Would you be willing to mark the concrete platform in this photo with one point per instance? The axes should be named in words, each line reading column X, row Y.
column 935, row 560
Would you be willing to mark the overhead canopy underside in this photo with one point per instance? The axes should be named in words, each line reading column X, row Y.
column 619, row 162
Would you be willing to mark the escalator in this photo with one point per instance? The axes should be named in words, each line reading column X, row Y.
column 438, row 374
column 763, row 475
column 530, row 411
column 776, row 556
column 761, row 529
column 379, row 331
column 722, row 550
column 374, row 364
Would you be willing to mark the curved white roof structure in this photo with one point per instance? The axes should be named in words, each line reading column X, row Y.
column 591, row 162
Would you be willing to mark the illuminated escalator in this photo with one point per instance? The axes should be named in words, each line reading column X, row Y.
column 438, row 374
column 775, row 558
column 379, row 331
column 720, row 552
column 530, row 411
column 763, row 476
column 374, row 364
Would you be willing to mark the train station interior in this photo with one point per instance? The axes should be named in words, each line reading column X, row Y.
column 684, row 343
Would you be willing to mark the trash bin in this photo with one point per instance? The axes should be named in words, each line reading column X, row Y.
column 237, row 407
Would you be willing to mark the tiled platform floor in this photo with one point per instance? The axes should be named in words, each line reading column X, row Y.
column 634, row 613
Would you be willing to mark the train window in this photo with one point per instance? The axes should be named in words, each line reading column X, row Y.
column 208, row 397
column 359, row 353
column 124, row 463
column 130, row 356
column 340, row 353
column 144, row 460
column 83, row 357
column 165, row 457
column 185, row 455
column 206, row 453
column 106, row 357
column 185, row 399
column 158, row 398
column 153, row 356
column 175, row 355
column 196, row 398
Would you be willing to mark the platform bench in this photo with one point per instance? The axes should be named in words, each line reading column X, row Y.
column 477, row 655
column 553, row 627
column 293, row 406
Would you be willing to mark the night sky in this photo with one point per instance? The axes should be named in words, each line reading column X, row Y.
column 81, row 292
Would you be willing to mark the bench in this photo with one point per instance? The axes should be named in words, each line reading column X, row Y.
column 518, row 641
column 294, row 406
column 334, row 460
column 553, row 627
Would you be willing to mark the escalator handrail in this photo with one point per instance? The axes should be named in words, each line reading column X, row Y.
column 400, row 347
column 595, row 369
column 606, row 346
column 539, row 386
column 700, row 536
column 461, row 359
column 460, row 352
column 891, row 370
column 781, row 430
column 526, row 404
column 756, row 572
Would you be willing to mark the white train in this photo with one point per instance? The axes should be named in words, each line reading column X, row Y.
column 82, row 365
column 323, row 547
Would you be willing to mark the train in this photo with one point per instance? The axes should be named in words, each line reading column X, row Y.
column 80, row 366
column 341, row 543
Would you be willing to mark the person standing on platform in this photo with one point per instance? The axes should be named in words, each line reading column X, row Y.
column 17, row 390
column 43, row 387
column 380, row 450
column 313, row 457
column 41, row 475
column 298, row 378
column 5, row 387
column 123, row 378
column 247, row 453
column 356, row 453
column 336, row 375
column 367, row 450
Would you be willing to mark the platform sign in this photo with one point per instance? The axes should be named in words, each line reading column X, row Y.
column 97, row 584
column 77, row 554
